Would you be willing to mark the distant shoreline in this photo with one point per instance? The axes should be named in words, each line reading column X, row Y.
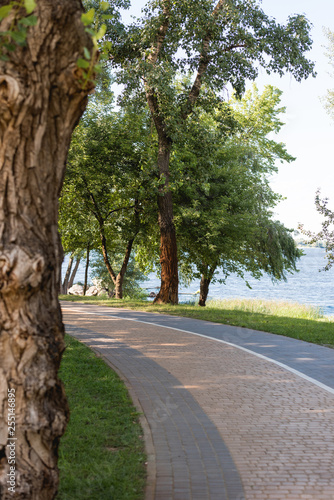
column 301, row 244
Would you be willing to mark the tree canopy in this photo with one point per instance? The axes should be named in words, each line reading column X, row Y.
column 212, row 44
column 108, row 186
column 219, row 172
column 223, row 208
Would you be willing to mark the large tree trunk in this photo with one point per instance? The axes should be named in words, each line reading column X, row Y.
column 119, row 287
column 41, row 100
column 168, row 293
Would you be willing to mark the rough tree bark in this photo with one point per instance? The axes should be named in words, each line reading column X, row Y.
column 41, row 100
column 168, row 293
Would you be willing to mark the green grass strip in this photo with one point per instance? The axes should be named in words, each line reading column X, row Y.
column 101, row 455
column 283, row 318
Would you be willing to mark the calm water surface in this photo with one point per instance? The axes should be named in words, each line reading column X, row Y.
column 309, row 286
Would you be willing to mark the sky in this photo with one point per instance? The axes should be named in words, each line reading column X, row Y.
column 309, row 131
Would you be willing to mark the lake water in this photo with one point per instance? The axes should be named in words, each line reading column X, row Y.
column 309, row 286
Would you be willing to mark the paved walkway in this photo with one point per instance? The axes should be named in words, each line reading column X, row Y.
column 253, row 420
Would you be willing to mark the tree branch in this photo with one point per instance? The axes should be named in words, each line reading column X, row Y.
column 126, row 258
column 202, row 66
column 152, row 60
column 130, row 242
column 118, row 209
column 155, row 51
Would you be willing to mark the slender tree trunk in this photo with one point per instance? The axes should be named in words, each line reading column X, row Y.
column 86, row 270
column 207, row 275
column 203, row 290
column 74, row 272
column 117, row 280
column 121, row 274
column 105, row 255
column 67, row 275
column 168, row 293
column 41, row 100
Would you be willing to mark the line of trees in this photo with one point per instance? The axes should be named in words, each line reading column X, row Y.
column 213, row 44
column 219, row 171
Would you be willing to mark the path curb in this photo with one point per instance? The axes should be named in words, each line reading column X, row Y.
column 149, row 447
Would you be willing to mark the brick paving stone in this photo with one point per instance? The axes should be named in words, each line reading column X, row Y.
column 248, row 418
column 174, row 448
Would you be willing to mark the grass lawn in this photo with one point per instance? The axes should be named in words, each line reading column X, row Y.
column 101, row 455
column 283, row 318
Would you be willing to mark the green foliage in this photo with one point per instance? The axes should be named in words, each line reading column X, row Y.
column 18, row 18
column 223, row 201
column 241, row 38
column 211, row 45
column 76, row 224
column 99, row 17
column 88, row 64
column 109, row 185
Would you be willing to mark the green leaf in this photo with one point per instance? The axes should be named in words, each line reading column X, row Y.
column 82, row 63
column 87, row 53
column 19, row 36
column 5, row 10
column 28, row 21
column 10, row 46
column 102, row 31
column 88, row 17
column 105, row 5
column 90, row 31
column 29, row 5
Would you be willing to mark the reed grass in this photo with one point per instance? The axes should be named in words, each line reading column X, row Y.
column 272, row 307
